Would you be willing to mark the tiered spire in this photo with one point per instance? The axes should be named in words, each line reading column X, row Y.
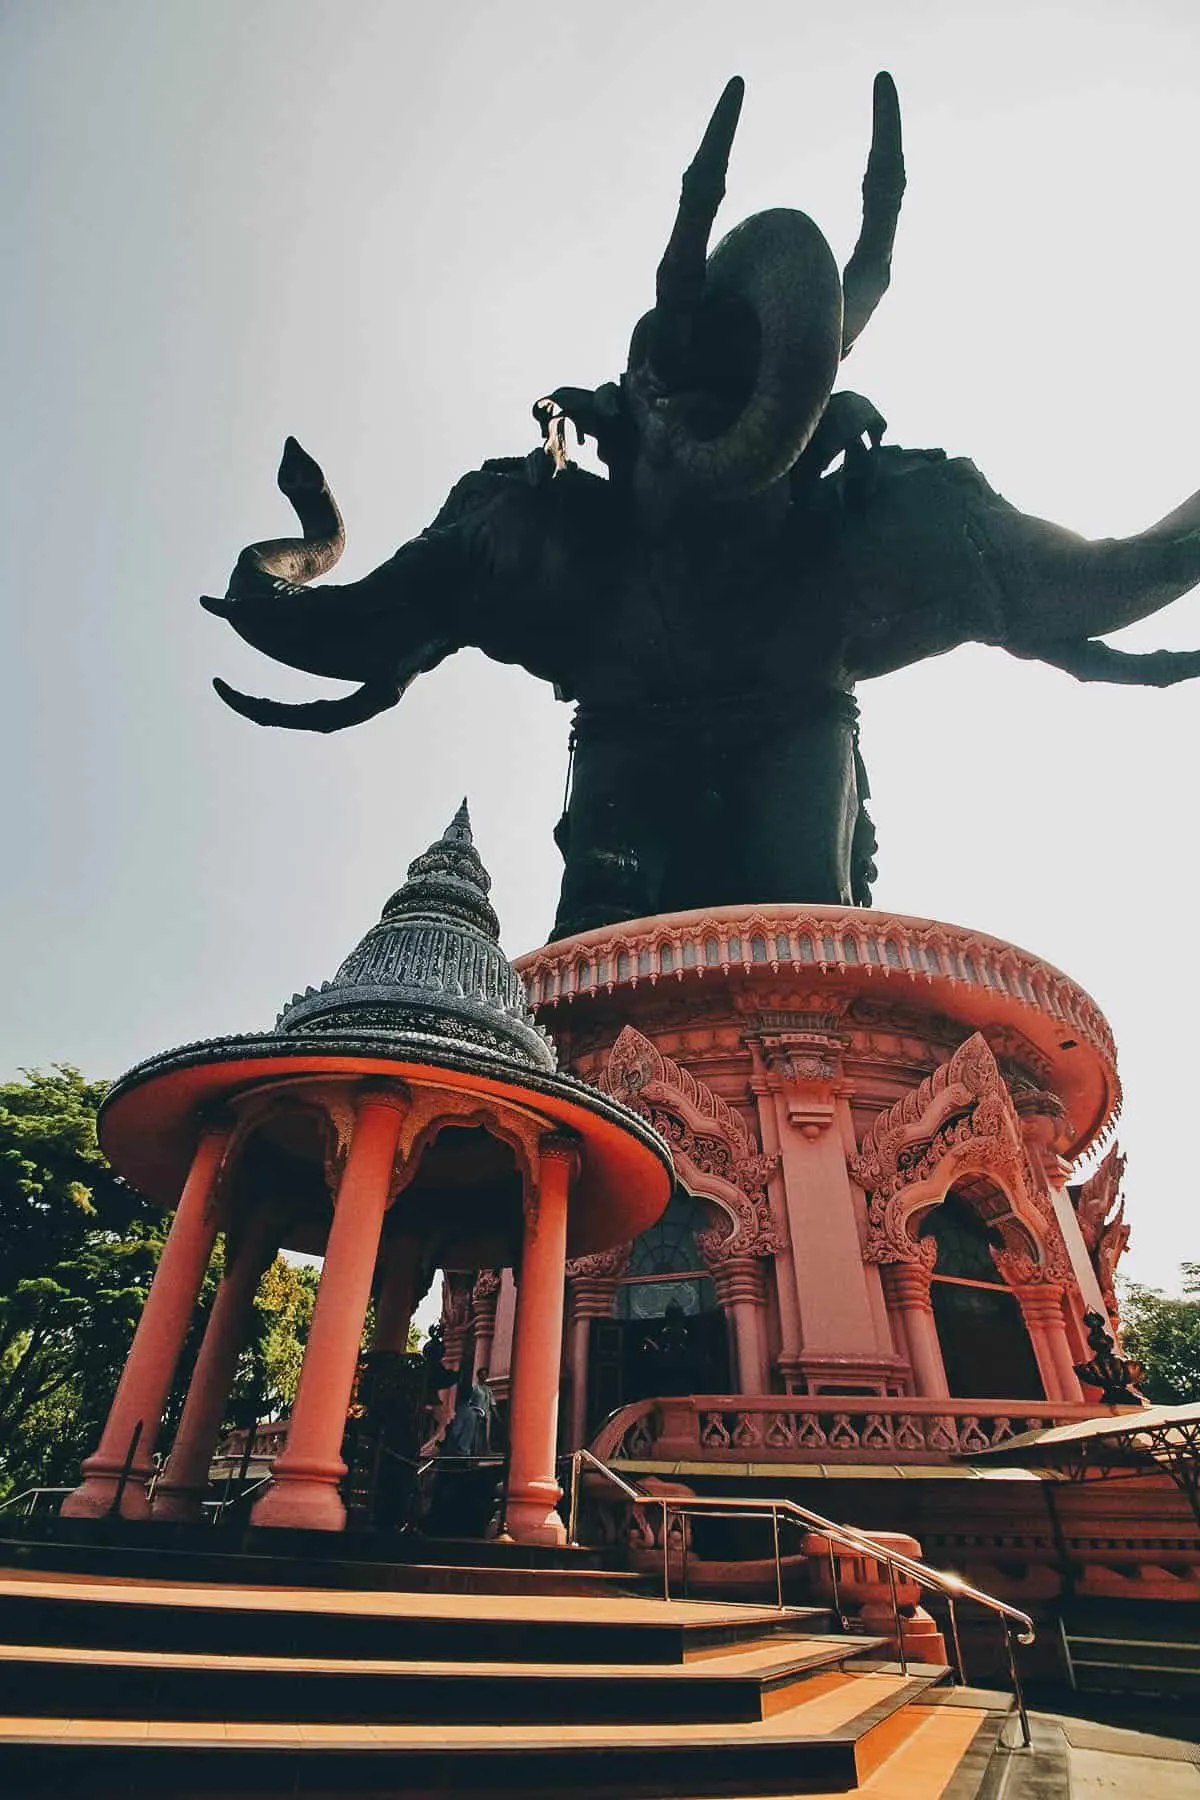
column 432, row 968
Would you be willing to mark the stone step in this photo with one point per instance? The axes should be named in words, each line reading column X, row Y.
column 157, row 1552
column 216, row 1619
column 739, row 1685
column 829, row 1740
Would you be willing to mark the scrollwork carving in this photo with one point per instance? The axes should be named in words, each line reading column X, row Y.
column 715, row 1153
column 600, row 1265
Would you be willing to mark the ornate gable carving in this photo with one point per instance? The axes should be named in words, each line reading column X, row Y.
column 961, row 1120
column 714, row 1151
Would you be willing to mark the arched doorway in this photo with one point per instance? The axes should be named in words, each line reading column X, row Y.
column 668, row 1334
column 984, row 1341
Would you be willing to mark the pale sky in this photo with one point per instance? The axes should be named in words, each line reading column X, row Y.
column 388, row 228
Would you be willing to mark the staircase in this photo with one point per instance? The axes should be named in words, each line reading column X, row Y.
column 135, row 1686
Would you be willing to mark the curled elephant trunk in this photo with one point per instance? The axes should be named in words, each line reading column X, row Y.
column 764, row 348
column 294, row 559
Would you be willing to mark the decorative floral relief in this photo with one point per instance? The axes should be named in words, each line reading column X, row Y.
column 714, row 1150
column 960, row 1120
column 601, row 1264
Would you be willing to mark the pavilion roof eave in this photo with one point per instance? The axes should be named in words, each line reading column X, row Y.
column 151, row 1117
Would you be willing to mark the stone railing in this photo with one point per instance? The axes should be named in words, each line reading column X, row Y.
column 821, row 1428
column 852, row 941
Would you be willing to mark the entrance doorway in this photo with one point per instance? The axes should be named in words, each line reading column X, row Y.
column 985, row 1345
column 669, row 1335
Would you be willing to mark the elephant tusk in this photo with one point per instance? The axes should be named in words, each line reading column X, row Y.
column 312, row 715
column 679, row 283
column 1088, row 660
column 867, row 275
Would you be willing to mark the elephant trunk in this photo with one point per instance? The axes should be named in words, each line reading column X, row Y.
column 1063, row 586
column 294, row 559
column 764, row 348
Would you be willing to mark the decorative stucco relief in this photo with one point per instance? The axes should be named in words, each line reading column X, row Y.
column 600, row 1265
column 715, row 1154
column 960, row 1121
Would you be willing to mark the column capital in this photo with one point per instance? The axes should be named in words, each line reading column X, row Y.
column 382, row 1092
column 1042, row 1301
column 592, row 1297
column 559, row 1146
column 740, row 1279
column 906, row 1284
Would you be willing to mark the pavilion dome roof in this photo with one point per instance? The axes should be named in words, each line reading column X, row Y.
column 432, row 968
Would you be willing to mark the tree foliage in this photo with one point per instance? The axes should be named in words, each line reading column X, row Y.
column 1163, row 1334
column 78, row 1250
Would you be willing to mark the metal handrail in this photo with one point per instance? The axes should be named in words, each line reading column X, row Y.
column 953, row 1587
column 227, row 1500
column 30, row 1494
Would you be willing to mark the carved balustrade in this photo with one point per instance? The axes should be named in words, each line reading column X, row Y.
column 821, row 1428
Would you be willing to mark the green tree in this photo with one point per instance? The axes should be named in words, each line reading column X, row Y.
column 1163, row 1334
column 283, row 1312
column 78, row 1250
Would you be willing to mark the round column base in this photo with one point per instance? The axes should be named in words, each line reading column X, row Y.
column 531, row 1516
column 184, row 1503
column 302, row 1499
column 94, row 1497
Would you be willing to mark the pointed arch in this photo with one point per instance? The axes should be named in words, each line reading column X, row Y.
column 959, row 1123
column 715, row 1154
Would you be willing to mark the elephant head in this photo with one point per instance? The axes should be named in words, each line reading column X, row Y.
column 730, row 372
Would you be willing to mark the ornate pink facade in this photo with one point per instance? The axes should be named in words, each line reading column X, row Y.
column 873, row 1120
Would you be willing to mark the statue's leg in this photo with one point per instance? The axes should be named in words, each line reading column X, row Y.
column 790, row 804
column 614, row 833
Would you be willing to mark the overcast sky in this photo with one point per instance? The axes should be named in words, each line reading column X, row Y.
column 389, row 228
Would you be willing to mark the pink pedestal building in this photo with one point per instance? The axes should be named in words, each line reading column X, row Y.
column 873, row 1252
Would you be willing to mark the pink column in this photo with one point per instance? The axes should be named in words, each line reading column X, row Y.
column 180, row 1493
column 740, row 1289
column 834, row 1303
column 906, row 1289
column 150, row 1366
column 592, row 1297
column 456, row 1320
column 396, row 1299
column 304, row 1489
column 484, row 1297
column 784, row 1261
column 533, row 1490
column 1042, row 1311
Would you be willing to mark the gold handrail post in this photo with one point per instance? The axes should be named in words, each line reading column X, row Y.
column 958, row 1655
column 778, row 1564
column 901, row 1652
